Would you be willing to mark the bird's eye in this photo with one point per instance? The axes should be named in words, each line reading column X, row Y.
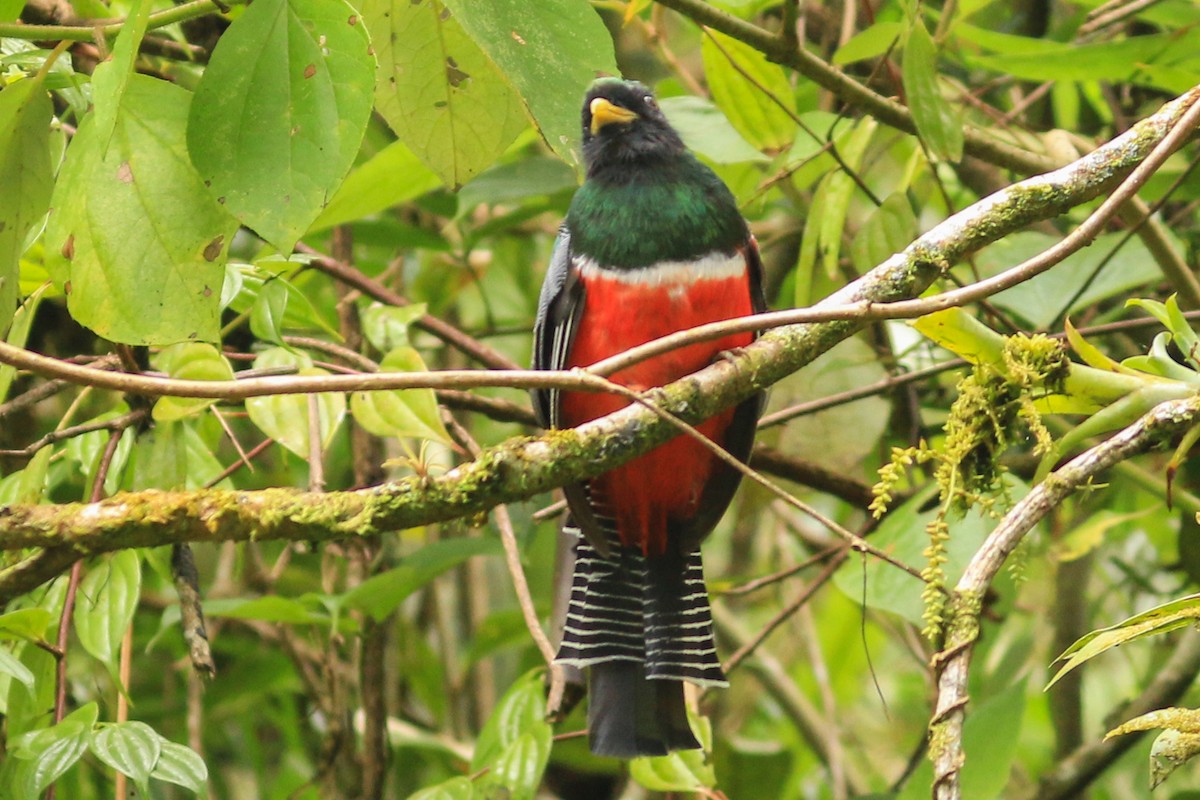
column 649, row 101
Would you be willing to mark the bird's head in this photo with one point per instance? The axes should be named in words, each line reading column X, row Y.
column 622, row 125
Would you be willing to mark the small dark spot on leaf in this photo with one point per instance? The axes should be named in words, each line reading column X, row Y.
column 310, row 70
column 125, row 173
column 193, row 335
column 208, row 289
column 445, row 15
column 207, row 184
column 353, row 20
column 440, row 104
column 67, row 287
column 517, row 38
column 68, row 248
column 371, row 50
column 212, row 251
column 453, row 74
column 221, row 199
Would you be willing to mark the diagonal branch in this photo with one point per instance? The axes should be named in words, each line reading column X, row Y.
column 952, row 664
column 521, row 468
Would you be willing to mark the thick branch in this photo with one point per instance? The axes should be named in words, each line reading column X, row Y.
column 522, row 468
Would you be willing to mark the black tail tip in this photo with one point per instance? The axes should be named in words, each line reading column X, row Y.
column 631, row 716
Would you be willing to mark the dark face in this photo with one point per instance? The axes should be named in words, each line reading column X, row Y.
column 623, row 124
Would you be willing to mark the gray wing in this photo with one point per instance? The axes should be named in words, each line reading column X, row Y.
column 559, row 308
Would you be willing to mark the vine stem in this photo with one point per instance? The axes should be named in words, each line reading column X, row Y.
column 108, row 28
column 952, row 664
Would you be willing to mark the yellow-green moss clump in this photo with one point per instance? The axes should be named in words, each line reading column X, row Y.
column 994, row 408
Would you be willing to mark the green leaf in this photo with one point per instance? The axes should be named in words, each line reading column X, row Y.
column 869, row 43
column 131, row 748
column 404, row 412
column 271, row 608
column 761, row 117
column 192, row 361
column 1178, row 743
column 990, row 743
column 27, row 175
column 52, row 751
column 438, row 90
column 10, row 10
column 109, row 84
column 25, row 623
column 381, row 594
column 392, row 176
column 280, row 112
column 706, row 130
column 938, row 125
column 26, row 711
column 1115, row 60
column 518, row 180
column 386, row 327
column 108, row 597
column 453, row 789
column 520, row 767
column 266, row 315
column 18, row 332
column 181, row 766
column 161, row 458
column 134, row 239
column 888, row 230
column 1160, row 619
column 285, row 418
column 522, row 710
column 11, row 665
column 550, row 51
column 1044, row 297
column 823, row 232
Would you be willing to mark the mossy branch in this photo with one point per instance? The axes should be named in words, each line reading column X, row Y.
column 521, row 468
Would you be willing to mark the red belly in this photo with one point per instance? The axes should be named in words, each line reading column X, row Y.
column 667, row 483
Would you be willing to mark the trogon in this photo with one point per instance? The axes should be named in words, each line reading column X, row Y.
column 653, row 243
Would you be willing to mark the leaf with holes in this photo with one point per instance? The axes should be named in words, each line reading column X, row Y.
column 550, row 51
column 280, row 112
column 134, row 238
column 438, row 90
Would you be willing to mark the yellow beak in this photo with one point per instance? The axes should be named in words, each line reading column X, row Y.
column 604, row 113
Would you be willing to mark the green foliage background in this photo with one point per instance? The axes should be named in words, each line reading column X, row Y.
column 316, row 186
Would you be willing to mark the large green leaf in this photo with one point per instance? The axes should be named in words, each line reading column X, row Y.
column 108, row 596
column 757, row 106
column 194, row 361
column 280, row 112
column 26, row 176
column 938, row 125
column 134, row 239
column 109, row 84
column 438, row 90
column 550, row 51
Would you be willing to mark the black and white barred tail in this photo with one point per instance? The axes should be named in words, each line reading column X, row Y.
column 641, row 625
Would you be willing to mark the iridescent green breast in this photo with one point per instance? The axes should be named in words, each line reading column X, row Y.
column 675, row 211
